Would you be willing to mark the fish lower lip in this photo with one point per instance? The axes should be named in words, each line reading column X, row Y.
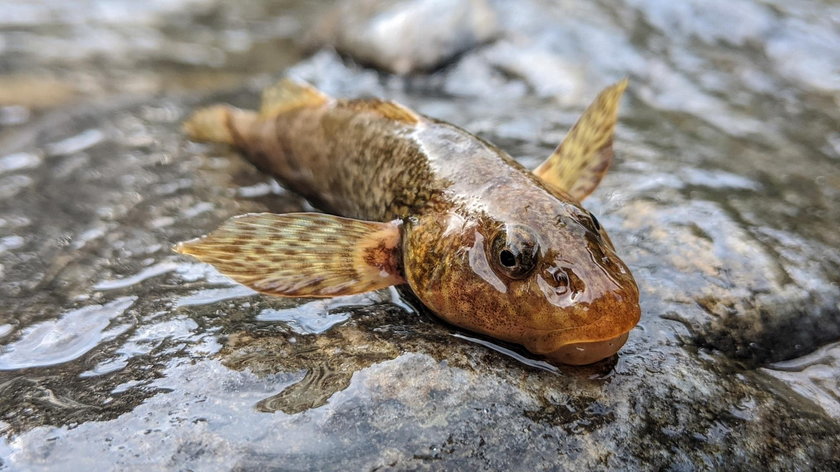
column 589, row 352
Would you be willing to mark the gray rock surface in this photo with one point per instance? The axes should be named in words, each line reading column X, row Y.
column 403, row 36
column 117, row 354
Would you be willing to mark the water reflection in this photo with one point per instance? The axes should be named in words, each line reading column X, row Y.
column 67, row 337
column 814, row 377
column 328, row 359
column 317, row 316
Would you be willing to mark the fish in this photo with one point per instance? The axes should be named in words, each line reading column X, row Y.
column 484, row 243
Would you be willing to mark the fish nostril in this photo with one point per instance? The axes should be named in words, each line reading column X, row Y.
column 559, row 280
column 576, row 284
column 565, row 281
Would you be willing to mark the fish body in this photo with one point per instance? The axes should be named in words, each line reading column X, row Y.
column 483, row 242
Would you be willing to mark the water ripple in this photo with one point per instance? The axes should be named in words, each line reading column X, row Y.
column 66, row 338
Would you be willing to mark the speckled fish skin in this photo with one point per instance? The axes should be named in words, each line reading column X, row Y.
column 455, row 197
column 345, row 159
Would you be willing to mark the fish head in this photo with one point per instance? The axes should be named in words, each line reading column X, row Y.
column 542, row 274
column 515, row 256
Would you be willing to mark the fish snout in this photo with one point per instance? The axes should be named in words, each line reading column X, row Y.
column 595, row 329
column 588, row 352
column 619, row 312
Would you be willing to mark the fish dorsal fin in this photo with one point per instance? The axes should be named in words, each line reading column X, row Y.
column 287, row 95
column 303, row 254
column 384, row 108
column 582, row 159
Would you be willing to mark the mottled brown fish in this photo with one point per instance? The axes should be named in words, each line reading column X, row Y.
column 482, row 241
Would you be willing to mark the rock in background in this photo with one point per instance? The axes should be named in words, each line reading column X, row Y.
column 404, row 36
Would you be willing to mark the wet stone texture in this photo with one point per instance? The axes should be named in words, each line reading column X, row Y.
column 117, row 354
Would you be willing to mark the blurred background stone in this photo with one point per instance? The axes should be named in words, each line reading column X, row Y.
column 403, row 36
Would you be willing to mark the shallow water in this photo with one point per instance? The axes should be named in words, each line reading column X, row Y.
column 116, row 353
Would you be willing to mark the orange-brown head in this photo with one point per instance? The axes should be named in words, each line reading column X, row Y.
column 536, row 270
column 515, row 255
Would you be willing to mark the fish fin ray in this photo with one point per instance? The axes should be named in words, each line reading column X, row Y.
column 303, row 254
column 287, row 95
column 583, row 158
column 384, row 108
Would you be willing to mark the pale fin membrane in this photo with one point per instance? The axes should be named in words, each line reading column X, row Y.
column 303, row 254
column 287, row 95
column 582, row 159
column 384, row 108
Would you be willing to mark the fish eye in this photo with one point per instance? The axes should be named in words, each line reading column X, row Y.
column 506, row 258
column 515, row 251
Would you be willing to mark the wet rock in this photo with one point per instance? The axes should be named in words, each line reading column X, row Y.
column 722, row 203
column 813, row 376
column 731, row 290
column 53, row 52
column 67, row 338
column 404, row 36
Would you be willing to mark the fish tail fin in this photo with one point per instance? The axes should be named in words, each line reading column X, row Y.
column 218, row 123
column 224, row 123
column 287, row 95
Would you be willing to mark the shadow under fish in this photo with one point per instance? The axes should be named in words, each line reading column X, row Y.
column 372, row 335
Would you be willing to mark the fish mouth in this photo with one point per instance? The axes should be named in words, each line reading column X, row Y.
column 588, row 352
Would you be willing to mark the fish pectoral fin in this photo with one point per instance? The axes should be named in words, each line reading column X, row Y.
column 287, row 95
column 303, row 254
column 582, row 159
column 384, row 108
